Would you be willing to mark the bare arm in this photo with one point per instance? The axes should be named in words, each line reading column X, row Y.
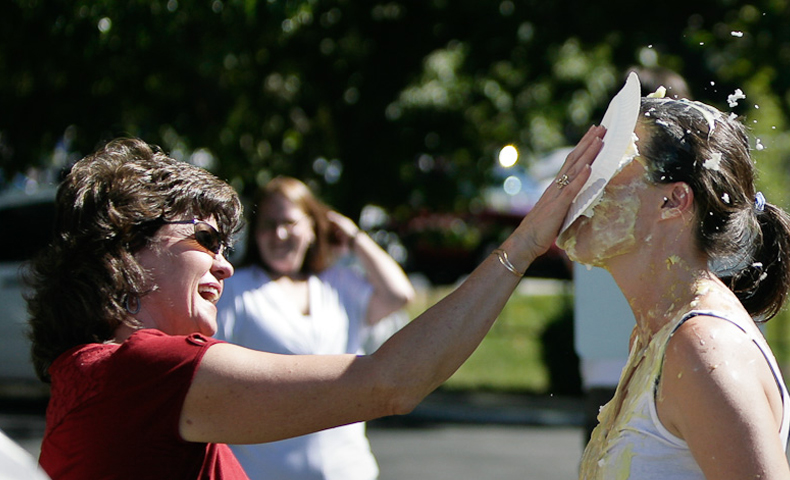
column 244, row 396
column 391, row 287
column 719, row 395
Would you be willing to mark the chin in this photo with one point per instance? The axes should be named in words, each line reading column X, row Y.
column 206, row 328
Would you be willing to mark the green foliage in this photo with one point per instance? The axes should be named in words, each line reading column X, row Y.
column 404, row 104
column 523, row 352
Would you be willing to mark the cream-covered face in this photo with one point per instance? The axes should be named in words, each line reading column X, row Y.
column 612, row 229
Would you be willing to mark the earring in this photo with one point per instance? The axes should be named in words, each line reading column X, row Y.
column 127, row 306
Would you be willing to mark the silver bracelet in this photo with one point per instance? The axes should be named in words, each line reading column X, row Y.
column 502, row 256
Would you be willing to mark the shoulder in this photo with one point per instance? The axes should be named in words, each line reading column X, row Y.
column 246, row 275
column 704, row 337
column 719, row 393
column 244, row 280
column 709, row 348
column 340, row 274
column 152, row 348
column 711, row 363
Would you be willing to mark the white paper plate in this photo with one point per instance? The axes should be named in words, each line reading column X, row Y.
column 620, row 122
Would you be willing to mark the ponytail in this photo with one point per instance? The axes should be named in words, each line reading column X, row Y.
column 762, row 286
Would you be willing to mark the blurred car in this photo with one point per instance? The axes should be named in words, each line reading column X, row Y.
column 27, row 219
column 447, row 246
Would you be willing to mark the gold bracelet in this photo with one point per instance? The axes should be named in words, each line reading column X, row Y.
column 502, row 256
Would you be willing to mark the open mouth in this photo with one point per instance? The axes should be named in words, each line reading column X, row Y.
column 210, row 293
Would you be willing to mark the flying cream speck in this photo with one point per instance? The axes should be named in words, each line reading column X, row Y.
column 713, row 162
column 732, row 99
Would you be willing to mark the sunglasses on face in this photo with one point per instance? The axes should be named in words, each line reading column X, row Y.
column 205, row 234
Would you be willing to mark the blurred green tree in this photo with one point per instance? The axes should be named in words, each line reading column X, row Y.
column 404, row 104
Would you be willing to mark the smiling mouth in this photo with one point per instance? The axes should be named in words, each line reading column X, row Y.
column 210, row 293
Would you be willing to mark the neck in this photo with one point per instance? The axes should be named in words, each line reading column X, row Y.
column 295, row 276
column 661, row 279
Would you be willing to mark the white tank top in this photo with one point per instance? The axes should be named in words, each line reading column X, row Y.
column 633, row 444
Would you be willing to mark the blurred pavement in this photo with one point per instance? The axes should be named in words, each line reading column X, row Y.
column 458, row 436
column 449, row 436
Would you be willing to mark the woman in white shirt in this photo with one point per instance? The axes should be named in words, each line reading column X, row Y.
column 699, row 255
column 293, row 297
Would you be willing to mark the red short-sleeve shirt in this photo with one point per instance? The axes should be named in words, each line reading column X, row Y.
column 114, row 412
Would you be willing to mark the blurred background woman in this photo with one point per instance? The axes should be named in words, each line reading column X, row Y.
column 294, row 298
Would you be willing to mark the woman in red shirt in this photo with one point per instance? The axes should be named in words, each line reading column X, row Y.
column 123, row 310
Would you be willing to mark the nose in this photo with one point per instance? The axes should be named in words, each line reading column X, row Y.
column 221, row 268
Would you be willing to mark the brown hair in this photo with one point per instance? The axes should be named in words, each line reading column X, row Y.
column 747, row 240
column 319, row 255
column 108, row 207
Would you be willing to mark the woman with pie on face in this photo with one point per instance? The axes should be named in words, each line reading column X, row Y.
column 700, row 255
column 294, row 298
column 123, row 306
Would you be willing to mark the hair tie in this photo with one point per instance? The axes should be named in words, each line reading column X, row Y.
column 759, row 202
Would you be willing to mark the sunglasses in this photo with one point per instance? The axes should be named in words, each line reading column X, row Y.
column 205, row 234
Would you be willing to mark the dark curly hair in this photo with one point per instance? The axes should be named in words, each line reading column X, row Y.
column 746, row 239
column 108, row 207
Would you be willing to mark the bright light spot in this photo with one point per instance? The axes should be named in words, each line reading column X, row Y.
column 736, row 34
column 425, row 163
column 372, row 216
column 648, row 56
column 105, row 24
column 319, row 165
column 333, row 171
column 508, row 156
column 506, row 8
column 351, row 95
column 512, row 185
column 203, row 158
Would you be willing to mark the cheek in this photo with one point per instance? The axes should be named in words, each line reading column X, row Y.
column 609, row 232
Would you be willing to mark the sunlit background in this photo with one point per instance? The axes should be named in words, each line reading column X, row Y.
column 436, row 124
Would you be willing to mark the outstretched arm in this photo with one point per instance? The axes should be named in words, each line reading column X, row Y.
column 245, row 396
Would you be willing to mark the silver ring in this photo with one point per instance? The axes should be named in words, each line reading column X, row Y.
column 563, row 181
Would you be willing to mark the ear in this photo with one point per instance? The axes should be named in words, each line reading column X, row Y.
column 678, row 200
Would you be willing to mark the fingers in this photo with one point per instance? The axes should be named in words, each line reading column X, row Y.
column 343, row 223
column 547, row 215
column 584, row 152
column 581, row 157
